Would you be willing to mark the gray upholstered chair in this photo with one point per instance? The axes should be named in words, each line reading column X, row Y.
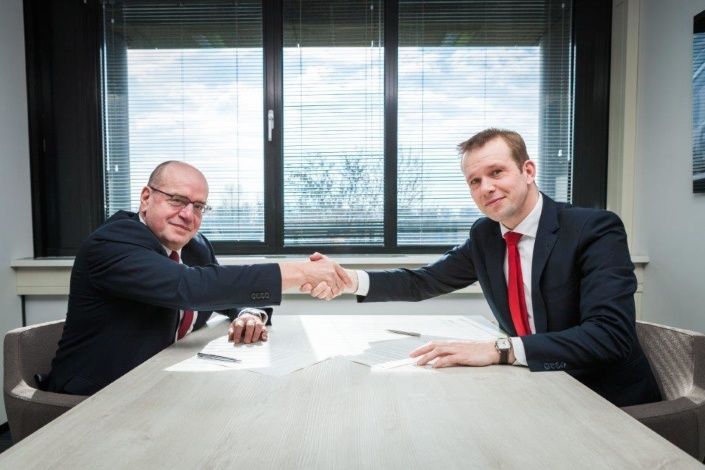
column 28, row 351
column 677, row 358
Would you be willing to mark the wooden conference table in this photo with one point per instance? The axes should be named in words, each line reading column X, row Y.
column 338, row 414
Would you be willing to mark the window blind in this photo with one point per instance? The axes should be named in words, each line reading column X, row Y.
column 182, row 80
column 333, row 153
column 466, row 66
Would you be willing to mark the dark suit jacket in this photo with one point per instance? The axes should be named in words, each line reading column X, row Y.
column 125, row 298
column 583, row 286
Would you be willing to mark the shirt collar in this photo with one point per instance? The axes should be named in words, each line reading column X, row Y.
column 166, row 250
column 530, row 225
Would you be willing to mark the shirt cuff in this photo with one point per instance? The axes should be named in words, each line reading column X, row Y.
column 519, row 353
column 254, row 311
column 363, row 282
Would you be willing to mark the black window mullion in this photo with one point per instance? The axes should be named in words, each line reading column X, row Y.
column 592, row 24
column 391, row 41
column 273, row 154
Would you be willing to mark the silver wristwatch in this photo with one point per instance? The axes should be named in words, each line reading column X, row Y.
column 503, row 345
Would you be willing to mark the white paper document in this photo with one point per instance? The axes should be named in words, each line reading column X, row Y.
column 364, row 339
column 367, row 339
column 268, row 357
column 389, row 353
column 409, row 361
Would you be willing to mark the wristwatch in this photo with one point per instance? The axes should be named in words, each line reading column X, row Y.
column 503, row 345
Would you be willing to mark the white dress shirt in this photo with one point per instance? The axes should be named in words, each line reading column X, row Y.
column 528, row 228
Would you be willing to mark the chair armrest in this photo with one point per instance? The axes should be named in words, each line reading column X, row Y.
column 679, row 421
column 23, row 391
column 661, row 409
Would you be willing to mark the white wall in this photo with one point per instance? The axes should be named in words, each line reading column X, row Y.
column 669, row 218
column 44, row 308
column 15, row 194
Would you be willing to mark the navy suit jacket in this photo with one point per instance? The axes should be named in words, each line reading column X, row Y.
column 583, row 286
column 126, row 295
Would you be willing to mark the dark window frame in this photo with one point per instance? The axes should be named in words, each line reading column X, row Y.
column 63, row 52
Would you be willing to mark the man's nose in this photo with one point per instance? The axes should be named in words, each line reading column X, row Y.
column 188, row 211
column 487, row 185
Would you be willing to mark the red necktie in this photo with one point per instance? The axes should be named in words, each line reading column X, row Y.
column 188, row 314
column 515, row 286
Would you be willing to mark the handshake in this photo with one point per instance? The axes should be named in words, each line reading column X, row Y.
column 321, row 277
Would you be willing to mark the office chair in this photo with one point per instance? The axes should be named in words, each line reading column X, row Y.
column 29, row 351
column 677, row 358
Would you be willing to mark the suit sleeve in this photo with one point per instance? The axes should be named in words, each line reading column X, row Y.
column 233, row 313
column 453, row 271
column 125, row 263
column 606, row 332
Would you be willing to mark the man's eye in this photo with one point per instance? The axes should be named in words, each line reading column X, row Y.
column 198, row 206
column 179, row 201
column 496, row 172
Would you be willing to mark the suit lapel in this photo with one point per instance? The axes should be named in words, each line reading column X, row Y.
column 546, row 237
column 495, row 253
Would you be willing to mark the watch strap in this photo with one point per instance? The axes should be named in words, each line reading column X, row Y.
column 503, row 356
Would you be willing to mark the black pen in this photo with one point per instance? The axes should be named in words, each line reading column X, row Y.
column 217, row 358
column 407, row 333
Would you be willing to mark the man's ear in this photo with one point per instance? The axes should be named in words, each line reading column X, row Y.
column 144, row 197
column 530, row 171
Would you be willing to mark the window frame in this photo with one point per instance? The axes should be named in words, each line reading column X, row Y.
column 65, row 150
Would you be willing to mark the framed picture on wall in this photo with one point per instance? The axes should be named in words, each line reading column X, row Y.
column 699, row 103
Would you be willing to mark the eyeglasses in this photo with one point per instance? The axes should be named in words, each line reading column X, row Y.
column 174, row 200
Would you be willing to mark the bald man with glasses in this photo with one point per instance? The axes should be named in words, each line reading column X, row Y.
column 144, row 280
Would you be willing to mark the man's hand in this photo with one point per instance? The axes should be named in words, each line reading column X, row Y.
column 328, row 276
column 322, row 290
column 247, row 329
column 458, row 353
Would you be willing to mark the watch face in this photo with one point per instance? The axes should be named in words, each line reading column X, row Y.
column 503, row 343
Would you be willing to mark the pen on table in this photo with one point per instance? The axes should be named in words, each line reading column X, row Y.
column 217, row 358
column 407, row 333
